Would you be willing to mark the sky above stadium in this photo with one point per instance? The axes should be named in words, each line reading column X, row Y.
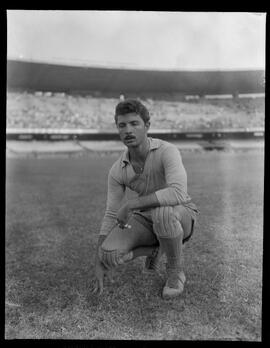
column 138, row 39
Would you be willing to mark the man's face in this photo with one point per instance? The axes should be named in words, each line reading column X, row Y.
column 132, row 129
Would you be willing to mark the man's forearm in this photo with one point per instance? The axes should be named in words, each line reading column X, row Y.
column 101, row 239
column 144, row 202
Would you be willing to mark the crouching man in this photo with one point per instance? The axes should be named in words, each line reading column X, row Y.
column 161, row 218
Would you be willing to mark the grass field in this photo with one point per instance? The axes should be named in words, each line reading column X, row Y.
column 53, row 212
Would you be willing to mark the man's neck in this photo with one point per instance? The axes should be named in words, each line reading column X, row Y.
column 140, row 152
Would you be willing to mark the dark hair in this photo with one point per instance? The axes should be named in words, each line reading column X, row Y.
column 131, row 106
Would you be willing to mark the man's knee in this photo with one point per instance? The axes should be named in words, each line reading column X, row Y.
column 113, row 258
column 166, row 223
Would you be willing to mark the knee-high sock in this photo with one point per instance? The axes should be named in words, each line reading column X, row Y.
column 170, row 233
column 172, row 247
column 166, row 223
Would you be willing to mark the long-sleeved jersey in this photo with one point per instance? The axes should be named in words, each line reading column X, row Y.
column 163, row 174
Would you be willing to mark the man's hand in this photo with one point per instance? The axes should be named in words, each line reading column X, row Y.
column 123, row 215
column 100, row 273
column 100, row 270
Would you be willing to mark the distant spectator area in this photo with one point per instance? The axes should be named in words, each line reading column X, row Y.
column 62, row 111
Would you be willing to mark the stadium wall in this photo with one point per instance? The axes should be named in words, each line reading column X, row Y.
column 95, row 135
column 37, row 76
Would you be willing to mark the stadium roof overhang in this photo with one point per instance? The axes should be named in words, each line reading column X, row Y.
column 63, row 78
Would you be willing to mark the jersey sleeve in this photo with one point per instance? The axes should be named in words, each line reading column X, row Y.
column 175, row 191
column 115, row 195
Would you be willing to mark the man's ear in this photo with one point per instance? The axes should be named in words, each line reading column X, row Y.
column 147, row 124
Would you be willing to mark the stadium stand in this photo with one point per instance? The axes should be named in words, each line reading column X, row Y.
column 62, row 111
column 49, row 96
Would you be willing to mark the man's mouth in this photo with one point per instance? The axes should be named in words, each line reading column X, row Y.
column 130, row 138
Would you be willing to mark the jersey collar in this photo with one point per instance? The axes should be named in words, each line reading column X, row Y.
column 154, row 144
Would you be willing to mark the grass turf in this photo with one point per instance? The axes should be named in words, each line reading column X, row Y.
column 53, row 212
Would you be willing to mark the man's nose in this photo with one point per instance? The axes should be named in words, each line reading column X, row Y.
column 128, row 129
